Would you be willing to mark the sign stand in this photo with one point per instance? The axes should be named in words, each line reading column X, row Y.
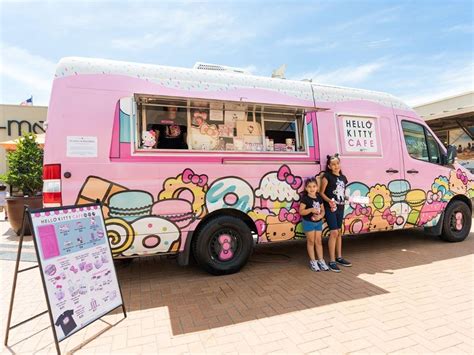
column 27, row 218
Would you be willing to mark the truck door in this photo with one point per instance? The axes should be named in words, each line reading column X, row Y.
column 371, row 159
column 430, row 183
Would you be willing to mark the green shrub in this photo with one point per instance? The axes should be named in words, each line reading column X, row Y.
column 25, row 166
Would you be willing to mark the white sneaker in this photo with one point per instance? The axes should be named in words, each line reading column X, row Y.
column 313, row 265
column 322, row 265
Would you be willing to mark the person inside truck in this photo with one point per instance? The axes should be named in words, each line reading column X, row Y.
column 170, row 134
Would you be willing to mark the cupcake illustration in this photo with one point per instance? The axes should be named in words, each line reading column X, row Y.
column 441, row 184
column 279, row 189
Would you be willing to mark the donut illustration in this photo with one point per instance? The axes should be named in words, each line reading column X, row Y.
column 120, row 233
column 153, row 235
column 187, row 182
column 230, row 192
column 358, row 221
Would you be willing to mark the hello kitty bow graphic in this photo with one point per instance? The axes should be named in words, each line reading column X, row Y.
column 284, row 174
column 287, row 216
column 363, row 211
column 461, row 175
column 391, row 217
column 433, row 196
column 190, row 177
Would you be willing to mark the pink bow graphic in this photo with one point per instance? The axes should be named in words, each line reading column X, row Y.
column 390, row 216
column 364, row 211
column 461, row 175
column 189, row 176
column 287, row 216
column 284, row 174
column 433, row 196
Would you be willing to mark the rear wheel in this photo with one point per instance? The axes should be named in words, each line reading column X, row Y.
column 223, row 245
column 457, row 222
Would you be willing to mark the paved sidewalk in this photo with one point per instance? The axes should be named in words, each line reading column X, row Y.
column 406, row 293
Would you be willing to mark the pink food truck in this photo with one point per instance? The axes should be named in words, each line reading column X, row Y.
column 211, row 161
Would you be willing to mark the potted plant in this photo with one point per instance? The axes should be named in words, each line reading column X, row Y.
column 25, row 177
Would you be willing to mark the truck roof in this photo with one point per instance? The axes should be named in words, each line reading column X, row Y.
column 209, row 80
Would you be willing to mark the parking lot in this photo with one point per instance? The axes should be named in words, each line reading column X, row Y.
column 405, row 293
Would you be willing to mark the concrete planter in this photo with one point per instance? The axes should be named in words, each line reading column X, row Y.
column 15, row 208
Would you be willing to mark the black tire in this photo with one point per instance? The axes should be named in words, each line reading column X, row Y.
column 223, row 245
column 452, row 231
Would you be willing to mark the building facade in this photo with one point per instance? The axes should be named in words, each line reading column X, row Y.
column 452, row 119
column 16, row 120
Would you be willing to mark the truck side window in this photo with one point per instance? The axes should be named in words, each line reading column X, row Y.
column 420, row 143
column 194, row 124
column 433, row 148
column 415, row 140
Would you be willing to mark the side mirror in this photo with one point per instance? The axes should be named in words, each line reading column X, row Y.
column 451, row 154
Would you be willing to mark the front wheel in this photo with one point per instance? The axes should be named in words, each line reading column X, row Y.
column 457, row 222
column 223, row 245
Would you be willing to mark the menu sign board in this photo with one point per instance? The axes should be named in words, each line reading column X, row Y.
column 76, row 265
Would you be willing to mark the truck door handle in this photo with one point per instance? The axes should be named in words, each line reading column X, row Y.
column 391, row 171
column 412, row 171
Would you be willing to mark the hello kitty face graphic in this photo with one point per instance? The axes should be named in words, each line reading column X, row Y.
column 458, row 182
column 278, row 231
column 199, row 117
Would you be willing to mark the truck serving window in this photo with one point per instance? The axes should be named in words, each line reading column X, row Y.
column 420, row 143
column 169, row 124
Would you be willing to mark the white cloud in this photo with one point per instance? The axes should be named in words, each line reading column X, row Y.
column 381, row 43
column 387, row 15
column 453, row 81
column 345, row 76
column 32, row 72
column 299, row 41
column 188, row 27
column 463, row 28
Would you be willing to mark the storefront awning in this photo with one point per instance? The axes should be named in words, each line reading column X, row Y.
column 11, row 144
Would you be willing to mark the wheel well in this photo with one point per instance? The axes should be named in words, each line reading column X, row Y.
column 464, row 199
column 227, row 212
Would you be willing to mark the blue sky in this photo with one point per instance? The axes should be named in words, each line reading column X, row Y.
column 416, row 50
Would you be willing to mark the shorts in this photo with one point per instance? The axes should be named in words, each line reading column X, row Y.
column 334, row 219
column 309, row 226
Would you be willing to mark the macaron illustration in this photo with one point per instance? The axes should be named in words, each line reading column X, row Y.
column 130, row 205
column 178, row 211
column 415, row 199
column 399, row 190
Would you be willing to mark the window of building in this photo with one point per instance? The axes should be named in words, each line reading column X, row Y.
column 169, row 124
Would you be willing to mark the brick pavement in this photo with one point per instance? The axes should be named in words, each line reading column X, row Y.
column 406, row 293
